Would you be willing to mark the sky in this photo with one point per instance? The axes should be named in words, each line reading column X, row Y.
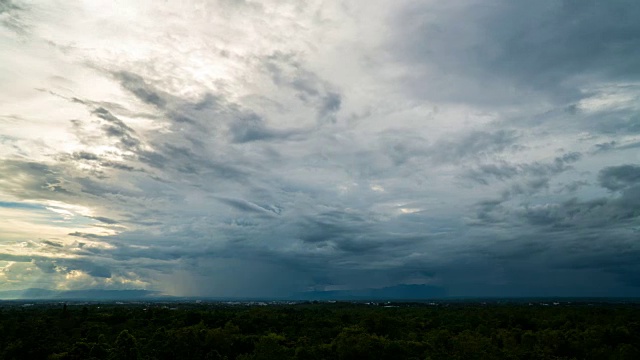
column 244, row 148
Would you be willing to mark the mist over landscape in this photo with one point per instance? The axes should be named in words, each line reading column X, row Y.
column 319, row 149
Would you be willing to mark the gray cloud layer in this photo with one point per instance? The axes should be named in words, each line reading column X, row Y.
column 483, row 147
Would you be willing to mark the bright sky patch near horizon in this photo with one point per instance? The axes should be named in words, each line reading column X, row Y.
column 267, row 148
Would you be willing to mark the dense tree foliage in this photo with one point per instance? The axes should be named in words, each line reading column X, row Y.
column 319, row 331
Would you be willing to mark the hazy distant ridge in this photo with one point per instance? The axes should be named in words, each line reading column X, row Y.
column 399, row 292
column 92, row 294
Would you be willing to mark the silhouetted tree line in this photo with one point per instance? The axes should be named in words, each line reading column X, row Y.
column 319, row 331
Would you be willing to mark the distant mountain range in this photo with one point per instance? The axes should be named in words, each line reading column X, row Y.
column 91, row 294
column 399, row 292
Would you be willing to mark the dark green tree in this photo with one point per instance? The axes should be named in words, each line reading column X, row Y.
column 126, row 347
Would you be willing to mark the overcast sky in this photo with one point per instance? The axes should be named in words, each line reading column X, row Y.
column 266, row 148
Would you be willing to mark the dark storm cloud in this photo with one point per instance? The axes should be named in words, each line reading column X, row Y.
column 7, row 6
column 550, row 47
column 33, row 180
column 354, row 237
column 537, row 172
column 165, row 152
column 476, row 144
column 47, row 267
column 179, row 111
column 606, row 146
column 347, row 237
column 83, row 155
column 66, row 265
column 331, row 104
column 572, row 213
column 52, row 243
column 335, row 227
column 96, row 270
column 483, row 54
column 187, row 161
column 288, row 70
column 85, row 235
column 501, row 171
column 527, row 187
column 61, row 182
column 576, row 38
column 105, row 220
column 11, row 16
column 52, row 265
column 619, row 256
column 632, row 145
column 251, row 127
column 152, row 158
column 599, row 214
column 628, row 272
column 117, row 165
column 615, row 145
column 243, row 125
column 402, row 147
column 95, row 159
column 247, row 206
column 573, row 186
column 103, row 189
column 619, row 177
column 569, row 239
column 144, row 92
column 615, row 122
column 117, row 128
column 131, row 248
column 494, row 189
